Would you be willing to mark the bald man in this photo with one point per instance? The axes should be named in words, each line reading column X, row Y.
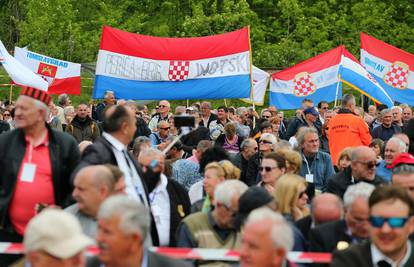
column 93, row 184
column 362, row 168
column 325, row 208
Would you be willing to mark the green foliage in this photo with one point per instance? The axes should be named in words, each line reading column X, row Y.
column 283, row 32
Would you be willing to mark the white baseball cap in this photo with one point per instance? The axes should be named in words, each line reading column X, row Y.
column 56, row 232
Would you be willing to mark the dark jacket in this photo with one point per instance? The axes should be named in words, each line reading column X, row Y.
column 83, row 130
column 304, row 225
column 212, row 117
column 154, row 260
column 301, row 122
column 385, row 133
column 4, row 126
column 360, row 255
column 64, row 156
column 252, row 172
column 338, row 183
column 409, row 130
column 191, row 140
column 325, row 237
column 240, row 162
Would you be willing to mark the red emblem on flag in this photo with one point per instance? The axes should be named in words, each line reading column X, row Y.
column 47, row 70
column 178, row 70
column 397, row 75
column 303, row 84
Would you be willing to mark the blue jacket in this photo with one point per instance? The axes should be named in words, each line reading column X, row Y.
column 321, row 168
column 383, row 171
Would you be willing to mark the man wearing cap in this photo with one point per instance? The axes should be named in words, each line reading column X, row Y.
column 55, row 238
column 308, row 119
column 393, row 148
column 403, row 172
column 347, row 129
column 35, row 162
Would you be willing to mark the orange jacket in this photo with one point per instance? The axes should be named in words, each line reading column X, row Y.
column 346, row 130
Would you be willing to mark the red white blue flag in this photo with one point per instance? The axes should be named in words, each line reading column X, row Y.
column 137, row 66
column 392, row 67
column 316, row 78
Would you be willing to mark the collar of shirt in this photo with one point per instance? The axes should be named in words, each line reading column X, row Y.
column 44, row 142
column 114, row 142
column 376, row 256
column 144, row 262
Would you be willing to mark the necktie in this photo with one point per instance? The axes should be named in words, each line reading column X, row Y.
column 383, row 263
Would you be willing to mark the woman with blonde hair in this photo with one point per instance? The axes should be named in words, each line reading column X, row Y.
column 230, row 170
column 344, row 159
column 293, row 160
column 291, row 197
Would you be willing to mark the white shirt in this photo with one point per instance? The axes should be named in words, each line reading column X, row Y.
column 160, row 207
column 376, row 256
column 196, row 192
column 134, row 187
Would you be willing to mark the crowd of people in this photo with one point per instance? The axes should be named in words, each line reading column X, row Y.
column 123, row 177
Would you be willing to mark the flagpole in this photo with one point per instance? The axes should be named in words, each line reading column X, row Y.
column 11, row 93
column 337, row 89
column 188, row 103
column 225, row 103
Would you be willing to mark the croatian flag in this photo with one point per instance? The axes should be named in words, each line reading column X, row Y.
column 316, row 78
column 62, row 76
column 260, row 81
column 20, row 74
column 392, row 67
column 142, row 67
column 354, row 75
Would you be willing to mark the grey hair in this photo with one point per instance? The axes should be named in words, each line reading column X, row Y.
column 241, row 110
column 398, row 108
column 151, row 153
column 269, row 137
column 246, row 143
column 402, row 147
column 133, row 216
column 403, row 169
column 304, row 131
column 385, row 111
column 281, row 232
column 108, row 92
column 283, row 144
column 359, row 190
column 226, row 190
column 40, row 105
column 161, row 123
column 348, row 99
column 62, row 99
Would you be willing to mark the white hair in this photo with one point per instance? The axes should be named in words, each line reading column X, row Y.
column 359, row 190
column 226, row 190
column 398, row 108
column 269, row 137
column 133, row 216
column 402, row 147
column 151, row 153
column 40, row 105
column 281, row 232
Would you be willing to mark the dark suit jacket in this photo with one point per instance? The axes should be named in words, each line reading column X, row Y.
column 64, row 156
column 100, row 152
column 154, row 260
column 304, row 225
column 360, row 255
column 212, row 117
column 325, row 237
column 338, row 183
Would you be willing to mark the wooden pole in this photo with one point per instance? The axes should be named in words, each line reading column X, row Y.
column 225, row 103
column 188, row 103
column 11, row 93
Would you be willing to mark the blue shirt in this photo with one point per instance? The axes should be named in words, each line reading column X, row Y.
column 186, row 172
column 321, row 168
column 382, row 171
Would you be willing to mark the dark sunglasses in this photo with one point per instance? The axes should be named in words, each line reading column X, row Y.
column 6, row 114
column 266, row 142
column 165, row 129
column 393, row 222
column 301, row 194
column 266, row 117
column 162, row 106
column 267, row 168
column 369, row 164
column 325, row 107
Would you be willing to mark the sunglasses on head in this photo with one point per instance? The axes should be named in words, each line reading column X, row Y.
column 369, row 164
column 393, row 222
column 267, row 168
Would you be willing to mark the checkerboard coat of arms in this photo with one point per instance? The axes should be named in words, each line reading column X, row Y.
column 397, row 75
column 303, row 84
column 178, row 70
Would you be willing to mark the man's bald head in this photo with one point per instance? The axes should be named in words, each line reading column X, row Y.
column 98, row 174
column 326, row 207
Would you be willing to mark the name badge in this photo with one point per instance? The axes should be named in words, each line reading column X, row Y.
column 28, row 173
column 309, row 178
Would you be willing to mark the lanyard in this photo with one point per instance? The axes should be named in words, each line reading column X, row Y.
column 307, row 164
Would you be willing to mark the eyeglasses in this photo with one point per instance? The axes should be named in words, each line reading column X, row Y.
column 301, row 194
column 162, row 106
column 265, row 117
column 267, row 168
column 369, row 164
column 6, row 115
column 266, row 142
column 325, row 107
column 165, row 129
column 393, row 222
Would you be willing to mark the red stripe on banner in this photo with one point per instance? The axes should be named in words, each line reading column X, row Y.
column 180, row 253
column 385, row 51
column 316, row 257
column 71, row 86
column 14, row 248
column 159, row 48
column 318, row 63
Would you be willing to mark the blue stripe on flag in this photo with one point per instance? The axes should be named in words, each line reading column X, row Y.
column 405, row 96
column 237, row 86
column 365, row 85
column 290, row 101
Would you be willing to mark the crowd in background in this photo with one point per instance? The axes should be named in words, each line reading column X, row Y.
column 328, row 179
